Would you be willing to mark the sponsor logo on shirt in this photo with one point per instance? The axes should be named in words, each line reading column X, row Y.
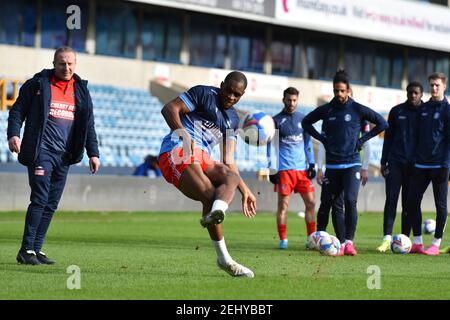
column 62, row 110
column 437, row 115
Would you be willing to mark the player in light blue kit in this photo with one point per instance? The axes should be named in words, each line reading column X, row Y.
column 296, row 166
column 200, row 119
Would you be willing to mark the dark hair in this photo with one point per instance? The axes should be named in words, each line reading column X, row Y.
column 291, row 91
column 437, row 75
column 62, row 50
column 236, row 76
column 341, row 77
column 414, row 84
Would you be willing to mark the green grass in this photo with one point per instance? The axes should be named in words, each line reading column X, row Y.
column 169, row 256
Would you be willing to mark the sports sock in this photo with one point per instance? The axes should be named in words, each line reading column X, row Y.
column 418, row 240
column 310, row 227
column 282, row 231
column 387, row 237
column 222, row 253
column 219, row 205
column 436, row 242
column 348, row 241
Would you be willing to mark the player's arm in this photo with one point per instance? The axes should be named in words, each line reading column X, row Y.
column 375, row 118
column 320, row 162
column 309, row 120
column 248, row 199
column 171, row 113
column 18, row 114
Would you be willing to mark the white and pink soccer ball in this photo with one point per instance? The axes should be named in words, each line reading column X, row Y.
column 314, row 238
column 401, row 244
column 329, row 245
column 257, row 128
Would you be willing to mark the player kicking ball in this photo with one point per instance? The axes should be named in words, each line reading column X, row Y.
column 200, row 119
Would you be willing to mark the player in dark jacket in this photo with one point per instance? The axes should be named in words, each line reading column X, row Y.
column 342, row 118
column 397, row 160
column 59, row 124
column 432, row 163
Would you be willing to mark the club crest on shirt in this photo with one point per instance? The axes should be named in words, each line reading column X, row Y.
column 347, row 117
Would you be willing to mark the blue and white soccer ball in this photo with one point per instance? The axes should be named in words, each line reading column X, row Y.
column 401, row 244
column 429, row 226
column 329, row 246
column 257, row 128
column 314, row 238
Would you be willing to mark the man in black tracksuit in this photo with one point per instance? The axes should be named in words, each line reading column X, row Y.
column 59, row 124
column 342, row 118
column 432, row 163
column 397, row 160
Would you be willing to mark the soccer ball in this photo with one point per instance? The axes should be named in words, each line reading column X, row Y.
column 329, row 246
column 314, row 238
column 257, row 128
column 429, row 226
column 400, row 244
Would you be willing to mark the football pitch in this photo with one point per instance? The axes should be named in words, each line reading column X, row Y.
column 169, row 256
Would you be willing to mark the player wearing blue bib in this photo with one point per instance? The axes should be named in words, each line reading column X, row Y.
column 200, row 119
column 295, row 165
column 342, row 118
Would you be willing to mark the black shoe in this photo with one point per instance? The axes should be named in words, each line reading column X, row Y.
column 27, row 257
column 42, row 257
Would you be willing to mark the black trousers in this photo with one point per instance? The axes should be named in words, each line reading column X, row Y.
column 47, row 179
column 420, row 180
column 346, row 182
column 397, row 176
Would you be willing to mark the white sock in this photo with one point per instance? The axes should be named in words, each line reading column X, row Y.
column 219, row 205
column 436, row 242
column 348, row 241
column 418, row 240
column 222, row 252
column 387, row 237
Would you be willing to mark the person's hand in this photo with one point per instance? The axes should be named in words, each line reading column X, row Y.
column 364, row 176
column 319, row 177
column 14, row 144
column 248, row 204
column 94, row 164
column 359, row 145
column 188, row 145
column 383, row 170
column 274, row 178
column 311, row 171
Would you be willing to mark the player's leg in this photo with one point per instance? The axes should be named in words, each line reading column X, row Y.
column 323, row 212
column 338, row 217
column 305, row 187
column 351, row 180
column 282, row 217
column 419, row 182
column 336, row 189
column 39, row 180
column 195, row 184
column 439, row 178
column 393, row 183
column 57, row 184
column 406, row 219
column 285, row 186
